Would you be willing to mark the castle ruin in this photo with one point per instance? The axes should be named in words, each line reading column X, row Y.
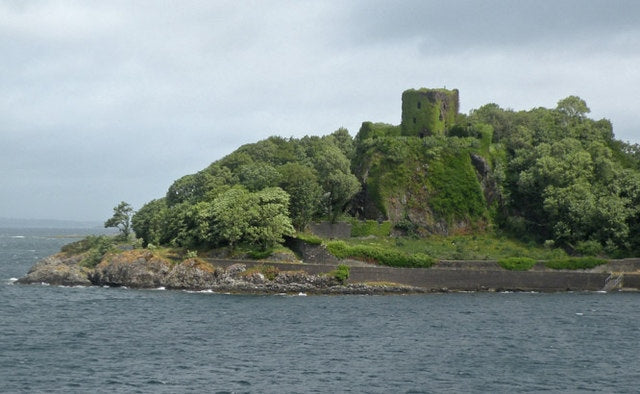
column 428, row 111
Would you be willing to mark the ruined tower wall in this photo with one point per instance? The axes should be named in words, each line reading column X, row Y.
column 428, row 111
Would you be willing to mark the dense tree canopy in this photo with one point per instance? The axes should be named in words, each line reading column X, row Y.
column 255, row 195
column 548, row 175
column 568, row 180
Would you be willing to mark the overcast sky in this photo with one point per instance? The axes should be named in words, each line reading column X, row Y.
column 103, row 101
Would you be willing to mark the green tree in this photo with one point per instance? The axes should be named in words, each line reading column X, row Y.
column 334, row 171
column 573, row 107
column 269, row 218
column 149, row 222
column 121, row 219
column 259, row 218
column 340, row 187
column 185, row 189
column 343, row 140
column 257, row 176
column 230, row 211
column 502, row 121
column 199, row 186
column 301, row 182
column 182, row 225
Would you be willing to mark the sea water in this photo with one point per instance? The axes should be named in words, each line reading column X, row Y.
column 94, row 339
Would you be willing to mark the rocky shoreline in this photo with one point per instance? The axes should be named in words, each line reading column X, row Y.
column 142, row 269
column 146, row 269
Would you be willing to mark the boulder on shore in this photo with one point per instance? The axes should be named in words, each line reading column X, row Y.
column 59, row 270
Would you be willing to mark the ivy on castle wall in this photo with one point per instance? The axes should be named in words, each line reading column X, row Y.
column 428, row 111
column 431, row 177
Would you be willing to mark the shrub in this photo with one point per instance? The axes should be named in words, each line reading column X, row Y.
column 99, row 246
column 376, row 254
column 574, row 263
column 83, row 245
column 363, row 228
column 260, row 254
column 517, row 263
column 309, row 238
column 338, row 249
column 407, row 227
column 94, row 247
column 341, row 273
column 269, row 271
column 589, row 248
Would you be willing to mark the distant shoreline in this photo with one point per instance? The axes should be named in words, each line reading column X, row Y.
column 49, row 223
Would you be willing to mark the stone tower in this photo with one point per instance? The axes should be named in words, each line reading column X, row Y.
column 428, row 111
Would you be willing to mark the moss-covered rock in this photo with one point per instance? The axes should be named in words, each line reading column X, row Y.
column 430, row 182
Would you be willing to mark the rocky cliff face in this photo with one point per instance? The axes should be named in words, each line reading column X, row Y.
column 487, row 179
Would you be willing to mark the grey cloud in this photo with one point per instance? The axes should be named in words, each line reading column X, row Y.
column 463, row 25
column 105, row 101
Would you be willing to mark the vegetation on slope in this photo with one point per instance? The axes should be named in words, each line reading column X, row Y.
column 255, row 196
column 550, row 177
column 567, row 180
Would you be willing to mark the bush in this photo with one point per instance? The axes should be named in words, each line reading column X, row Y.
column 589, row 248
column 363, row 228
column 339, row 249
column 269, row 271
column 341, row 273
column 260, row 254
column 376, row 254
column 574, row 263
column 83, row 245
column 407, row 227
column 94, row 247
column 309, row 238
column 517, row 263
column 98, row 247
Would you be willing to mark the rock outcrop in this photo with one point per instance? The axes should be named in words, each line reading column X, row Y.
column 59, row 270
column 140, row 269
column 143, row 269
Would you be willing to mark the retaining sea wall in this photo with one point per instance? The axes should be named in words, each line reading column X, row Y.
column 474, row 280
column 477, row 276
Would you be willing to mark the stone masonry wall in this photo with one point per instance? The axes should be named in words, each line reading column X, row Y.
column 455, row 279
column 329, row 230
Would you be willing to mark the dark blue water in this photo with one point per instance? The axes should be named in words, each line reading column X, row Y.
column 56, row 339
